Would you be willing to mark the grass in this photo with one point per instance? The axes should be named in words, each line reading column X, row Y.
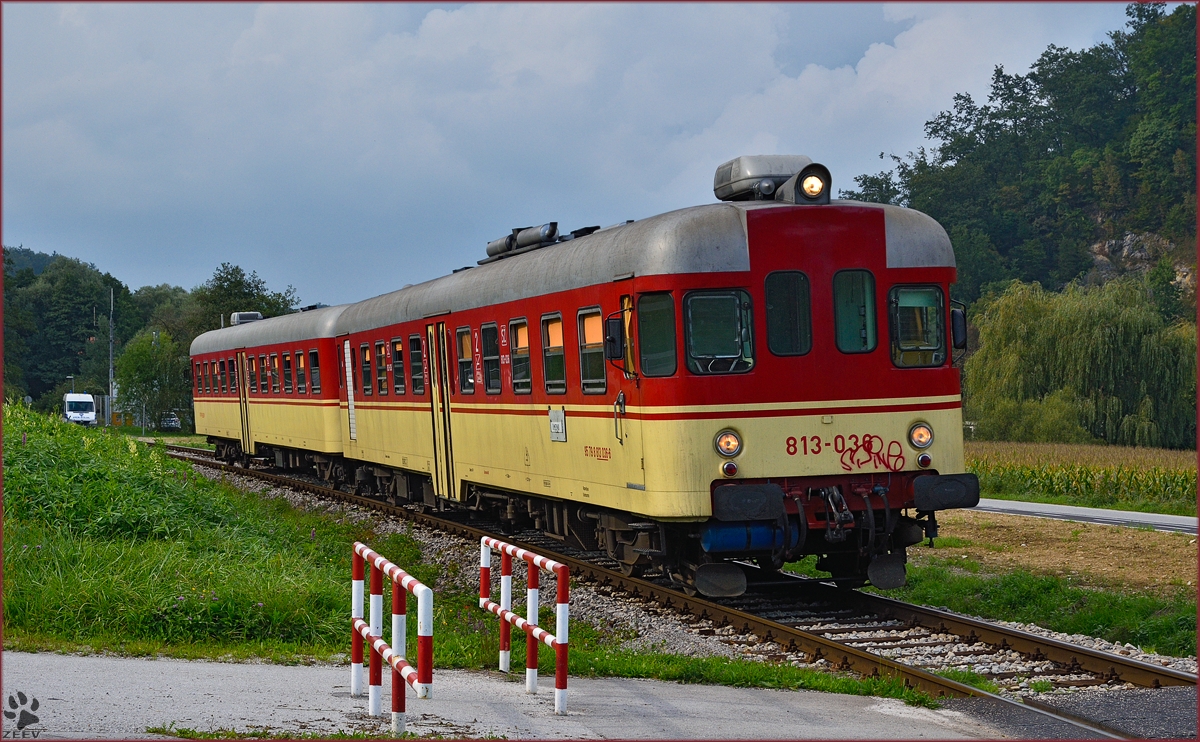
column 111, row 546
column 171, row 730
column 1121, row 478
column 971, row 678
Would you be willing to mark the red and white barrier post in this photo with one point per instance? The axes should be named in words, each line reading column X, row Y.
column 534, row 633
column 420, row 678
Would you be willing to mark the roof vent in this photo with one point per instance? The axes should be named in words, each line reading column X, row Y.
column 756, row 177
column 241, row 318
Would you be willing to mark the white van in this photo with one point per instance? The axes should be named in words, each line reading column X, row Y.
column 79, row 408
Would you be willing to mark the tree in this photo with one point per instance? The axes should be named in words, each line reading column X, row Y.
column 152, row 375
column 1104, row 352
column 231, row 290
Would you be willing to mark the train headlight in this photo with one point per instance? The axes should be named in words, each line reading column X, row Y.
column 728, row 443
column 812, row 186
column 920, row 435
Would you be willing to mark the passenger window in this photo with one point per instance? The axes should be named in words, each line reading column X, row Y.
column 918, row 336
column 315, row 365
column 301, row 375
column 789, row 314
column 252, row 373
column 518, row 343
column 204, row 386
column 554, row 364
column 364, row 365
column 656, row 334
column 262, row 374
column 224, row 384
column 854, row 311
column 490, row 339
column 718, row 326
column 381, row 364
column 466, row 376
column 274, row 373
column 398, row 365
column 591, row 351
column 416, row 364
column 287, row 373
column 197, row 380
column 233, row 375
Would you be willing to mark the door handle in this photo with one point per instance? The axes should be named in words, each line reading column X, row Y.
column 618, row 409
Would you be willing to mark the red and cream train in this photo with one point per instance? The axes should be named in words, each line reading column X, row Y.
column 757, row 379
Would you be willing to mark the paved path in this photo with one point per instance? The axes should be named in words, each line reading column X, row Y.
column 1181, row 523
column 114, row 697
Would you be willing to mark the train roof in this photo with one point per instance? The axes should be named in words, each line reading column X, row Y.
column 698, row 239
column 314, row 323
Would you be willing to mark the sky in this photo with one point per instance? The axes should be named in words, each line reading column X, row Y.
column 348, row 150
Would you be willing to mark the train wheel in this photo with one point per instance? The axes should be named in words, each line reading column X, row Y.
column 631, row 570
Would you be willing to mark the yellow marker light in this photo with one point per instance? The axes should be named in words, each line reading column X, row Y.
column 728, row 443
column 920, row 435
column 812, row 186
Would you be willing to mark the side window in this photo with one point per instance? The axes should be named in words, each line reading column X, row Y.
column 518, row 344
column 224, row 381
column 656, row 334
column 301, row 374
column 466, row 375
column 274, row 373
column 364, row 365
column 918, row 335
column 398, row 365
column 287, row 373
column 854, row 311
column 196, row 379
column 554, row 363
column 789, row 314
column 204, row 378
column 381, row 364
column 490, row 339
column 233, row 374
column 314, row 362
column 719, row 326
column 591, row 351
column 252, row 373
column 262, row 374
column 416, row 364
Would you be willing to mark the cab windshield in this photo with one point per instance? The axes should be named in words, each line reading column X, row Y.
column 80, row 407
column 719, row 332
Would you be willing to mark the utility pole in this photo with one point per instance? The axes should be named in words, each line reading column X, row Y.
column 111, row 387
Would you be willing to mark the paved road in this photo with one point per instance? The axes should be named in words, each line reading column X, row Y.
column 115, row 697
column 1180, row 523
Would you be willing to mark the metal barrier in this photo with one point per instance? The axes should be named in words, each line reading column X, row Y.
column 529, row 624
column 420, row 678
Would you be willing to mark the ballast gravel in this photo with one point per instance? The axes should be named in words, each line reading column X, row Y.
column 649, row 627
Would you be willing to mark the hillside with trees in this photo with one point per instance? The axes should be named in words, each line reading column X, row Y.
column 56, row 312
column 1078, row 177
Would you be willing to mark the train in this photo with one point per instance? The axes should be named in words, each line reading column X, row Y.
column 706, row 394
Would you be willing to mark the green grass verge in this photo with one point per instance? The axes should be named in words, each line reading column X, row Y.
column 1147, row 490
column 113, row 546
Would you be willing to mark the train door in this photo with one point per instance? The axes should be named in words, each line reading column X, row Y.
column 627, row 406
column 348, row 360
column 243, row 384
column 444, row 484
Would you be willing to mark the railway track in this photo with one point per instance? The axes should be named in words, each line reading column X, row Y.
column 850, row 630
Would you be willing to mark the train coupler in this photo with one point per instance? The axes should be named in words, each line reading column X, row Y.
column 837, row 514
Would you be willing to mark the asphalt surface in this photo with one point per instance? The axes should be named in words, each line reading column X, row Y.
column 115, row 697
column 1157, row 521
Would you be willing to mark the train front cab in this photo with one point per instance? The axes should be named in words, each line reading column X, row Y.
column 810, row 406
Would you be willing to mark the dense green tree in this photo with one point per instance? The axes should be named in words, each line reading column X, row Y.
column 1098, row 362
column 152, row 375
column 229, row 290
column 1088, row 146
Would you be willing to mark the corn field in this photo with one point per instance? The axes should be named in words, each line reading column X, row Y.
column 1145, row 479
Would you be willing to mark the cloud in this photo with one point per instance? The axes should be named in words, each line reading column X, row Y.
column 349, row 149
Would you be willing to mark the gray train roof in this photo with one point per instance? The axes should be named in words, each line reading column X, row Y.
column 698, row 239
column 315, row 323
